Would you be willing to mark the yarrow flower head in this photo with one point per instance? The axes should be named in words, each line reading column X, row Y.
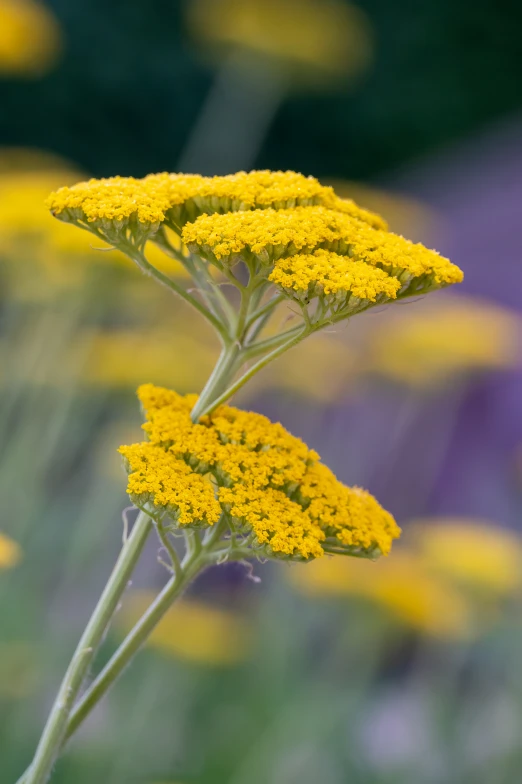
column 289, row 232
column 238, row 466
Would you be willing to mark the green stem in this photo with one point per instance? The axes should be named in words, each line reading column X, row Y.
column 231, row 390
column 135, row 639
column 221, row 375
column 265, row 309
column 254, row 349
column 55, row 728
column 53, row 736
column 140, row 259
column 193, row 564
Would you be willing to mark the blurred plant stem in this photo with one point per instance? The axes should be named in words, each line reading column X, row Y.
column 235, row 116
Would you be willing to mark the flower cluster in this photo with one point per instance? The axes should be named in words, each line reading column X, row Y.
column 271, row 235
column 123, row 202
column 333, row 277
column 278, row 223
column 267, row 483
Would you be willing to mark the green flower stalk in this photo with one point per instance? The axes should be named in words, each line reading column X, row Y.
column 232, row 484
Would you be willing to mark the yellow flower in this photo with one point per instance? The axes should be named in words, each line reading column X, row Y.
column 458, row 336
column 28, row 232
column 314, row 38
column 475, row 552
column 10, row 552
column 118, row 207
column 192, row 630
column 334, row 277
column 401, row 584
column 316, row 248
column 267, row 482
column 29, row 37
column 270, row 235
column 125, row 204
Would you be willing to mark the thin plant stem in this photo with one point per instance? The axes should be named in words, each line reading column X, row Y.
column 195, row 561
column 53, row 735
column 266, row 308
column 55, row 728
column 135, row 639
column 254, row 349
column 65, row 717
column 169, row 548
column 149, row 269
column 221, row 375
column 259, row 365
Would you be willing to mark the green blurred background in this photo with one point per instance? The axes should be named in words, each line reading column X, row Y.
column 402, row 671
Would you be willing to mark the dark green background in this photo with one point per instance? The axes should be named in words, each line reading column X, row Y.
column 130, row 84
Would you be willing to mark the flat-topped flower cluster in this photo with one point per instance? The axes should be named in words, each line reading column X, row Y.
column 268, row 484
column 287, row 228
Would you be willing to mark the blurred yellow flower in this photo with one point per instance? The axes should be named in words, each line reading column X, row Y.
column 18, row 669
column 192, row 630
column 475, row 552
column 404, row 215
column 28, row 233
column 400, row 584
column 10, row 552
column 458, row 336
column 316, row 39
column 329, row 357
column 123, row 358
column 30, row 38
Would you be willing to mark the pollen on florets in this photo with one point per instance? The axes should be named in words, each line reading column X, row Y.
column 265, row 481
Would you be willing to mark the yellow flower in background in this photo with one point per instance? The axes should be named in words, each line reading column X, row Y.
column 192, row 630
column 405, row 215
column 432, row 585
column 461, row 335
column 330, row 358
column 476, row 552
column 122, row 358
column 18, row 669
column 314, row 39
column 28, row 233
column 30, row 38
column 10, row 552
column 400, row 584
